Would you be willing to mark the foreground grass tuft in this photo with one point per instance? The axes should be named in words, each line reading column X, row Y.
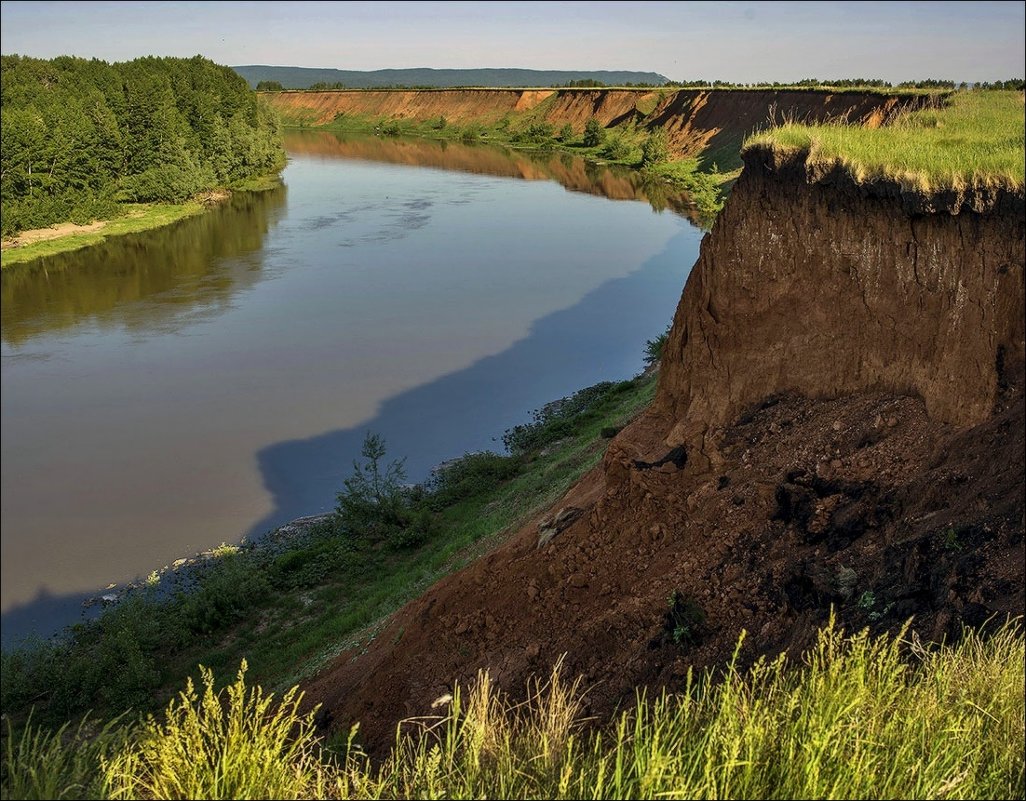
column 974, row 140
column 860, row 717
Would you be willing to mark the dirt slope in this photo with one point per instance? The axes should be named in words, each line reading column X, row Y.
column 840, row 423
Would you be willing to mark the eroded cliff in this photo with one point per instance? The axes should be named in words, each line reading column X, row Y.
column 713, row 122
column 839, row 425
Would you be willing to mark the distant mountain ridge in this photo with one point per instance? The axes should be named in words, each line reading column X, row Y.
column 304, row 77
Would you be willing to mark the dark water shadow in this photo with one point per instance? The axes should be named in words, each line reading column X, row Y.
column 27, row 622
column 598, row 339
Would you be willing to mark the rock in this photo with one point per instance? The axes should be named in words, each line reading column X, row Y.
column 547, row 529
column 837, row 426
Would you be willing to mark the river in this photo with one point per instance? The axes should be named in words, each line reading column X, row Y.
column 167, row 391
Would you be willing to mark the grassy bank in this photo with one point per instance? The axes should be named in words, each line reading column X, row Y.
column 974, row 140
column 292, row 603
column 861, row 718
column 134, row 218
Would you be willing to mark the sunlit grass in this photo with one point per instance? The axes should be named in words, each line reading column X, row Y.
column 137, row 217
column 859, row 718
column 974, row 140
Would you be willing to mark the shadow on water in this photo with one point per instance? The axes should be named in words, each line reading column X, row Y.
column 28, row 620
column 565, row 351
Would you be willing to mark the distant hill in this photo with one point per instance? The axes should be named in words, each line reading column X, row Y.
column 304, row 77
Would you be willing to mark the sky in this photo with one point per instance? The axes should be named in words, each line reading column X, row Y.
column 732, row 41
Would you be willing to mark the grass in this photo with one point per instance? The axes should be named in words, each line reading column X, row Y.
column 289, row 608
column 858, row 718
column 136, row 217
column 973, row 140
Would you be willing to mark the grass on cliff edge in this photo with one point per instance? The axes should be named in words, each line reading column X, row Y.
column 862, row 718
column 974, row 140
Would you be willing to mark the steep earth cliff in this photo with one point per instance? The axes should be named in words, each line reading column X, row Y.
column 696, row 121
column 839, row 425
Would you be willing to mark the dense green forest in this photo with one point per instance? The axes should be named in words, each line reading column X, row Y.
column 81, row 137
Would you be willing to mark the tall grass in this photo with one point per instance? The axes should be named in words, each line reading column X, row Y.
column 974, row 140
column 860, row 717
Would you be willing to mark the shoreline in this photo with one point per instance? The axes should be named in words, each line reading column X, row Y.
column 67, row 236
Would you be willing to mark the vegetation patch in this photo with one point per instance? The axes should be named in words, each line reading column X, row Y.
column 860, row 718
column 971, row 139
column 81, row 138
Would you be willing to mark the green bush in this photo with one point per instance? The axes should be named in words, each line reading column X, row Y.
column 617, row 149
column 594, row 133
column 377, row 505
column 656, row 148
column 654, row 347
column 561, row 418
column 470, row 475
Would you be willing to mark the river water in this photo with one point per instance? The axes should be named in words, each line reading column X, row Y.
column 167, row 391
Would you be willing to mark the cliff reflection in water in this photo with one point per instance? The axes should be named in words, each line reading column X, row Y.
column 574, row 173
column 153, row 279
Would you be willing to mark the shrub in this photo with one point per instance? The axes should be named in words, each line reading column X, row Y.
column 377, row 504
column 470, row 475
column 617, row 149
column 656, row 149
column 566, row 133
column 654, row 347
column 594, row 133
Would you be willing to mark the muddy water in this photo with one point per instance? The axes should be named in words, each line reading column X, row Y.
column 168, row 391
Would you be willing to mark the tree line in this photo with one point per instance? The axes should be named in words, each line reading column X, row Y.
column 851, row 83
column 80, row 137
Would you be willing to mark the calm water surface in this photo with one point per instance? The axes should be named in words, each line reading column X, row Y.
column 168, row 391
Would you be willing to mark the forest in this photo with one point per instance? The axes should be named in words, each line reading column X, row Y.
column 81, row 138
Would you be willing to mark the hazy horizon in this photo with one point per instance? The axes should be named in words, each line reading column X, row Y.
column 743, row 42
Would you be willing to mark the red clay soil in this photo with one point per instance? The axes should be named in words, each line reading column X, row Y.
column 839, row 425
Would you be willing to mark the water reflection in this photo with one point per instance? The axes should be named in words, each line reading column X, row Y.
column 573, row 172
column 151, row 281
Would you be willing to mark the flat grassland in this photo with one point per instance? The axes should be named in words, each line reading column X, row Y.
column 973, row 140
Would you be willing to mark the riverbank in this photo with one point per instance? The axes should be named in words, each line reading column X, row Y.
column 705, row 184
column 27, row 246
column 294, row 599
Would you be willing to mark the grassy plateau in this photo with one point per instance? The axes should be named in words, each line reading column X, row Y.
column 971, row 140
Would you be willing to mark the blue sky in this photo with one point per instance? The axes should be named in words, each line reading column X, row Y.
column 736, row 41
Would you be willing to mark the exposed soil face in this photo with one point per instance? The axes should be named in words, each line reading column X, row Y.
column 839, row 424
column 695, row 120
column 863, row 503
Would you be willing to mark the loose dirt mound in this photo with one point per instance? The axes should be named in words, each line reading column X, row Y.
column 861, row 503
